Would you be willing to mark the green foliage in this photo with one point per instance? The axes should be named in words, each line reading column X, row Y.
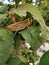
column 45, row 59
column 6, row 35
column 22, row 58
column 13, row 50
column 6, row 45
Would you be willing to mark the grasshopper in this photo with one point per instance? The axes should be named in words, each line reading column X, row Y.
column 19, row 25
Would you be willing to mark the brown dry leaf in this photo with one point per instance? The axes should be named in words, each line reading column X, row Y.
column 19, row 25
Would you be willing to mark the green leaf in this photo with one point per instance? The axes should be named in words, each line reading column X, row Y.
column 7, row 35
column 31, row 35
column 23, row 8
column 22, row 58
column 6, row 45
column 15, row 61
column 44, row 59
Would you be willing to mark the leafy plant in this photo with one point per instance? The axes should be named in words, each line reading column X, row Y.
column 21, row 23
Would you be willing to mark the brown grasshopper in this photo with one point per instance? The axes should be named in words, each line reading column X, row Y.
column 19, row 25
